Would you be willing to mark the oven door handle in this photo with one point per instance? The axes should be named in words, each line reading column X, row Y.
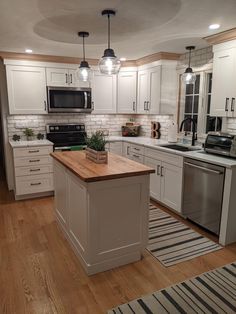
column 62, row 148
column 85, row 100
column 203, row 168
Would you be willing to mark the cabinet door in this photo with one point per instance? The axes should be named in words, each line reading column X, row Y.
column 104, row 93
column 127, row 89
column 58, row 77
column 116, row 148
column 223, row 82
column 155, row 178
column 127, row 150
column 26, row 90
column 60, row 182
column 143, row 97
column 171, row 186
column 154, row 98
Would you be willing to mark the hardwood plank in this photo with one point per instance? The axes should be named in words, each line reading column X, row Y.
column 41, row 274
column 88, row 171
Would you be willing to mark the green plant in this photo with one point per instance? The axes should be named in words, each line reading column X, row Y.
column 28, row 132
column 96, row 141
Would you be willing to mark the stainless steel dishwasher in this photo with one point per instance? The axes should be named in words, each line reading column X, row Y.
column 203, row 193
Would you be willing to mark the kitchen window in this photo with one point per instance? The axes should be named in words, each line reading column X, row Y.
column 195, row 101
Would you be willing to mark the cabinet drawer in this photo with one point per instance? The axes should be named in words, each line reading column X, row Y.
column 34, row 184
column 166, row 157
column 137, row 149
column 32, row 171
column 137, row 157
column 33, row 161
column 32, row 151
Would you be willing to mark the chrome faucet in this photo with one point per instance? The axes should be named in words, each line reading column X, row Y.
column 194, row 136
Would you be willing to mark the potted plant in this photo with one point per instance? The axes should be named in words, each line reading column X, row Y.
column 95, row 150
column 29, row 133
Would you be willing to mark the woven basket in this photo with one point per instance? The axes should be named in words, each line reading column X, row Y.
column 97, row 157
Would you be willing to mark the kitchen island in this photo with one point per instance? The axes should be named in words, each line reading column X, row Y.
column 102, row 208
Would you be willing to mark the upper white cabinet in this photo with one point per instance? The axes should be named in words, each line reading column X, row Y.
column 104, row 93
column 157, row 90
column 63, row 77
column 223, row 82
column 26, row 87
column 127, row 92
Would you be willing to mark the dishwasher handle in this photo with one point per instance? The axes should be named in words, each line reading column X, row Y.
column 203, row 168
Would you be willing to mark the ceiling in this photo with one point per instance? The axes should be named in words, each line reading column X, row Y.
column 139, row 28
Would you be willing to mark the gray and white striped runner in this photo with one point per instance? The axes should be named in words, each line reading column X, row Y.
column 212, row 292
column 172, row 242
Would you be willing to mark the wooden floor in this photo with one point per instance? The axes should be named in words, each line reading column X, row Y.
column 41, row 274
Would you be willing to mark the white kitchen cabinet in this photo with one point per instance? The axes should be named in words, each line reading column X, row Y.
column 157, row 90
column 166, row 182
column 104, row 93
column 116, row 148
column 63, row 77
column 26, row 88
column 223, row 82
column 126, row 150
column 127, row 92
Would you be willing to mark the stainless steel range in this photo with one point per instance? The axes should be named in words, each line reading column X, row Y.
column 67, row 136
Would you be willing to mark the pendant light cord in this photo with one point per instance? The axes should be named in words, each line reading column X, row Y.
column 189, row 58
column 109, row 31
column 83, row 50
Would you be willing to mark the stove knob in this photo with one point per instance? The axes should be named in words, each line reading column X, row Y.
column 78, row 127
column 82, row 127
column 51, row 128
column 57, row 128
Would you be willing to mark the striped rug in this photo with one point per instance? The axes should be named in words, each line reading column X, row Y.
column 172, row 242
column 212, row 292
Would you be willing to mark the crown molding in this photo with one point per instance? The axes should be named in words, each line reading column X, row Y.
column 73, row 60
column 221, row 37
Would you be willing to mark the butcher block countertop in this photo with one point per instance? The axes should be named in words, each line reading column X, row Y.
column 88, row 171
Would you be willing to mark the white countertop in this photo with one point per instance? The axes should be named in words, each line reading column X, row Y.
column 157, row 144
column 15, row 144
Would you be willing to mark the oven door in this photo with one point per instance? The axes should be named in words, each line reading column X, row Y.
column 69, row 99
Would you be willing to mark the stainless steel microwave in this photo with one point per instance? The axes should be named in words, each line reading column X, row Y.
column 69, row 99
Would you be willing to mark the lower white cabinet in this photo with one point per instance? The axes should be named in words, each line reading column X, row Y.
column 166, row 182
column 33, row 171
column 134, row 152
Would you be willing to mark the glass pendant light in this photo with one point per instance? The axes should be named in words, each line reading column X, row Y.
column 189, row 77
column 84, row 72
column 109, row 63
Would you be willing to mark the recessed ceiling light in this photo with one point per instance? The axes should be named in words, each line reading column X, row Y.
column 28, row 50
column 122, row 59
column 214, row 26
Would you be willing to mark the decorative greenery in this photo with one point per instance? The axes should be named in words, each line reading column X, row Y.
column 28, row 132
column 16, row 137
column 96, row 141
column 40, row 136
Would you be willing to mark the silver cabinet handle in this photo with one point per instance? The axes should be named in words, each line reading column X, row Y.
column 35, row 160
column 71, row 78
column 33, row 170
column 162, row 175
column 127, row 150
column 226, row 104
column 147, row 106
column 136, row 156
column 203, row 168
column 66, row 78
column 158, row 170
column 45, row 105
column 134, row 106
column 33, row 151
column 138, row 149
column 92, row 105
column 232, row 104
column 38, row 183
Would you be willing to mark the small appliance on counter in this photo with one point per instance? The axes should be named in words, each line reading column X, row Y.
column 66, row 137
column 172, row 132
column 130, row 129
column 221, row 144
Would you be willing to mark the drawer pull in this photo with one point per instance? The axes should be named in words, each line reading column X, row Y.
column 136, row 156
column 136, row 148
column 33, row 170
column 34, row 151
column 38, row 183
column 35, row 160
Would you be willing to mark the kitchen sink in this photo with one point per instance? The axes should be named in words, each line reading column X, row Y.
column 181, row 148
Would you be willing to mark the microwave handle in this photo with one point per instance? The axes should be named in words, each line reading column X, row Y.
column 85, row 100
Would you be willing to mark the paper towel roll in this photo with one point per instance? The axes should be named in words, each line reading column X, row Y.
column 172, row 132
